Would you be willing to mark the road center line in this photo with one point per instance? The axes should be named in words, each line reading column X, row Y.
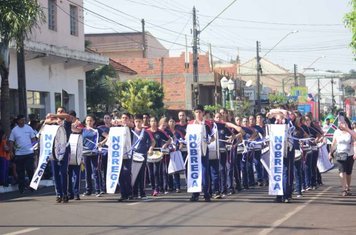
column 27, row 230
column 290, row 214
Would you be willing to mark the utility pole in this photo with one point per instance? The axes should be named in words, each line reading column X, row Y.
column 258, row 67
column 162, row 66
column 215, row 76
column 21, row 79
column 332, row 95
column 144, row 48
column 295, row 75
column 195, row 59
column 319, row 98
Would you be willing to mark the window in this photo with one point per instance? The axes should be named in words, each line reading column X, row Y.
column 73, row 20
column 52, row 15
column 33, row 98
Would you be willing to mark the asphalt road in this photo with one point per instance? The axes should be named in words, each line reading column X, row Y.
column 323, row 211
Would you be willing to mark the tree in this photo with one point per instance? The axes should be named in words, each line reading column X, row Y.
column 350, row 21
column 17, row 18
column 140, row 96
column 100, row 93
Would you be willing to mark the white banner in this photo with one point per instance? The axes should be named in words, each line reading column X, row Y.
column 117, row 142
column 277, row 146
column 47, row 136
column 194, row 143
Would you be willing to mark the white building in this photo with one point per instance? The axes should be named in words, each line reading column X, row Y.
column 330, row 84
column 56, row 61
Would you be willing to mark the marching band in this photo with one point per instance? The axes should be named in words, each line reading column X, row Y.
column 285, row 152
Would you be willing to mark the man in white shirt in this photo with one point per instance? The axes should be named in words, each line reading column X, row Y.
column 21, row 138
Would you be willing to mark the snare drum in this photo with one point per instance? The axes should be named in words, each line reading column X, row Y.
column 138, row 157
column 155, row 157
column 59, row 144
column 164, row 151
column 76, row 149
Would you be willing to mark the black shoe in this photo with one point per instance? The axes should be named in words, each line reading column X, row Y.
column 121, row 199
column 71, row 197
column 59, row 199
column 194, row 199
column 77, row 197
column 278, row 199
column 207, row 199
column 65, row 199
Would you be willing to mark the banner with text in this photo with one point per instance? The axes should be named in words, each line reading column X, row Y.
column 47, row 136
column 116, row 144
column 194, row 143
column 277, row 151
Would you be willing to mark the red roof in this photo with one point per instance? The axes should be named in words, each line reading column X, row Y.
column 121, row 68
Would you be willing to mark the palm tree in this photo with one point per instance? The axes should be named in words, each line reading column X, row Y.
column 17, row 18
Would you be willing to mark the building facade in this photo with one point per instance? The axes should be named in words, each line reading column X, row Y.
column 55, row 61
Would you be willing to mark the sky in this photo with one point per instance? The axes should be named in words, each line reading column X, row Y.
column 322, row 40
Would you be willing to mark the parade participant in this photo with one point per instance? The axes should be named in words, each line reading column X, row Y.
column 199, row 119
column 60, row 168
column 155, row 168
column 298, row 133
column 74, row 175
column 90, row 141
column 125, row 174
column 167, row 179
column 146, row 120
column 233, row 163
column 311, row 163
column 142, row 144
column 282, row 116
column 20, row 143
column 257, row 153
column 261, row 124
column 181, row 126
column 224, row 114
column 218, row 166
column 177, row 146
column 343, row 152
column 103, row 155
column 248, row 178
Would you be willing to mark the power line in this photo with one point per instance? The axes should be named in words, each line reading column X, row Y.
column 227, row 7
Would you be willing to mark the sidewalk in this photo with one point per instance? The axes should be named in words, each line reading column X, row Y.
column 13, row 188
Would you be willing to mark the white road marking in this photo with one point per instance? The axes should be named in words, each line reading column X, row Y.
column 290, row 214
column 27, row 230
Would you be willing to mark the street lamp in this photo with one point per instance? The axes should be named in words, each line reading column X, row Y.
column 285, row 36
column 231, row 87
column 259, row 70
column 224, row 85
column 320, row 57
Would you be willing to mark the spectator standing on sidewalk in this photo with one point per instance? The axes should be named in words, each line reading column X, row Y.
column 21, row 138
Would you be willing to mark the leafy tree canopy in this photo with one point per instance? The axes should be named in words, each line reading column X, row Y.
column 350, row 20
column 140, row 96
